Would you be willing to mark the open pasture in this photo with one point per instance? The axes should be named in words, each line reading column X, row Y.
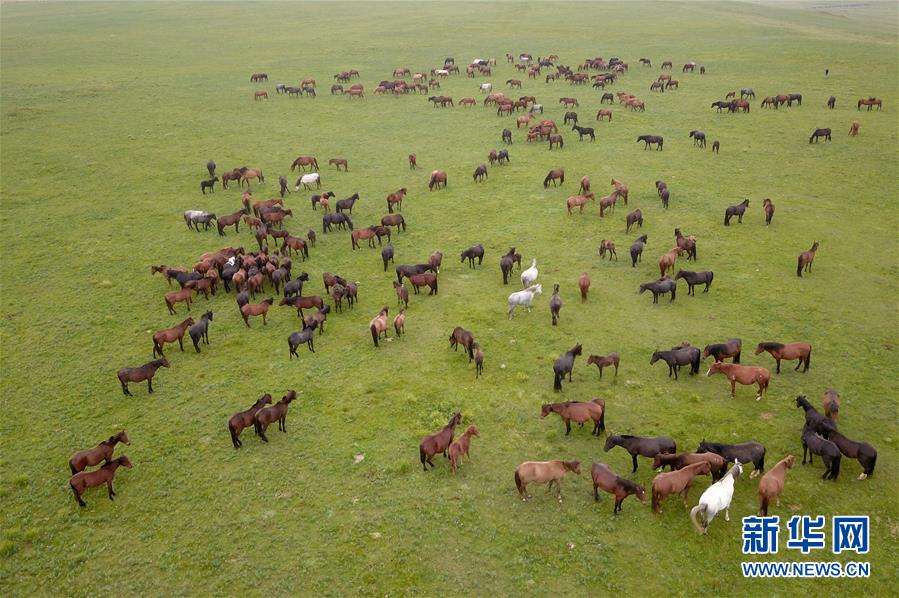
column 109, row 114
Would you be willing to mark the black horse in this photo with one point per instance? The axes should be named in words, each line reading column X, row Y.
column 570, row 116
column 831, row 102
column 208, row 184
column 812, row 444
column 747, row 452
column 480, row 173
column 721, row 351
column 581, row 131
column 698, row 138
column 506, row 263
column 210, row 166
column 737, row 211
column 564, row 365
column 347, row 204
column 295, row 287
column 200, row 331
column 339, row 220
column 307, row 335
column 639, row 445
column 660, row 287
column 864, row 452
column 637, row 251
column 471, row 253
column 607, row 97
column 409, row 270
column 651, row 140
column 825, row 133
column 507, row 136
column 694, row 278
column 678, row 357
column 635, row 217
column 282, row 182
column 815, row 419
column 795, row 97
column 387, row 255
column 720, row 105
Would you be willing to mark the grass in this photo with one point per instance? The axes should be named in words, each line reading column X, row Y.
column 109, row 113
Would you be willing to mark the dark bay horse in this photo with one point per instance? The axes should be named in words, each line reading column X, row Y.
column 101, row 452
column 472, row 253
column 277, row 412
column 639, row 445
column 463, row 337
column 91, row 479
column 144, row 372
column 812, row 444
column 721, row 351
column 790, row 351
column 244, row 419
column 651, row 140
column 805, row 260
column 862, row 451
column 744, row 453
column 580, row 412
column 438, row 442
column 695, row 278
column 815, row 419
column 609, row 481
column 825, row 133
column 637, row 250
column 737, row 210
column 564, row 365
column 676, row 358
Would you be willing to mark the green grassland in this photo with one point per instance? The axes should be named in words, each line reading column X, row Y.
column 109, row 113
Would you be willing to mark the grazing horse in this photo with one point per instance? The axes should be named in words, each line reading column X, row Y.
column 832, row 101
column 746, row 375
column 338, row 162
column 478, row 360
column 716, row 146
column 564, row 365
column 862, row 451
column 639, row 445
column 668, row 259
column 635, row 217
column 747, row 92
column 256, row 309
column 660, row 287
column 378, row 325
column 769, row 101
column 543, row 471
column 83, row 480
column 676, row 482
column 737, row 210
column 438, row 179
column 311, row 178
column 463, row 337
column 676, row 358
column 695, row 278
column 303, row 162
column 525, row 297
column 102, row 452
column 800, row 351
column 507, row 136
column 831, row 404
column 825, row 133
column 139, row 374
column 604, row 114
column 554, row 175
column 480, row 173
column 170, row 335
column 768, row 205
column 579, row 201
column 277, row 412
column 307, row 335
column 472, row 253
column 585, row 185
column 602, row 361
column 717, row 464
column 772, row 484
column 413, row 161
column 582, row 131
column 698, row 138
column 747, row 452
column 244, row 419
column 570, row 116
column 805, row 260
column 579, row 412
column 609, row 481
column 583, row 284
column 555, row 304
column 870, row 103
column 721, row 351
column 636, row 250
column 651, row 140
column 716, row 498
column 438, row 442
column 813, row 444
column 853, row 129
column 260, row 94
column 459, row 448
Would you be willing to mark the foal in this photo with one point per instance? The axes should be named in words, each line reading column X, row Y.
column 602, row 361
column 459, row 448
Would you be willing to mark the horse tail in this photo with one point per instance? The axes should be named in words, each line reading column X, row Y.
column 421, row 454
column 602, row 416
column 764, row 505
column 518, row 483
column 470, row 351
column 697, row 509
column 374, row 334
column 305, row 250
column 808, row 358
column 557, row 382
column 799, row 267
column 869, row 467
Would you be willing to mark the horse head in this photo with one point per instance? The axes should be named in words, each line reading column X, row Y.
column 610, row 443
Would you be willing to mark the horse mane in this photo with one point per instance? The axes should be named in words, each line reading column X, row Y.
column 627, row 484
column 625, row 436
column 771, row 346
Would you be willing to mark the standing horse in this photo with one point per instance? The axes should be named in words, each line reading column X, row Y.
column 277, row 412
column 717, row 464
column 543, row 471
column 399, row 323
column 698, row 138
column 307, row 335
column 772, row 484
column 91, row 479
column 609, row 481
column 555, row 304
column 459, row 448
column 438, row 442
column 695, row 278
column 564, row 365
column 463, row 337
column 583, row 284
column 525, row 297
column 677, row 358
column 800, row 351
column 639, row 445
column 651, row 140
column 853, row 129
column 676, row 482
column 716, row 498
column 805, row 260
column 737, row 210
column 579, row 201
column 170, row 335
column 831, row 404
column 102, row 452
column 478, row 360
column 473, row 253
column 636, row 250
column 244, row 419
column 768, row 205
column 378, row 326
column 660, row 287
column 144, row 372
column 721, row 351
column 864, row 452
column 256, row 309
column 635, row 217
column 688, row 244
column 602, row 361
column 747, row 452
column 668, row 259
column 580, row 412
column 812, row 444
column 744, row 375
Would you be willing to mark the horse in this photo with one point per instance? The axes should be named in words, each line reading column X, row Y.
column 244, row 419
column 737, row 105
column 813, row 444
column 543, row 471
column 170, row 335
column 832, row 101
column 636, row 250
column 676, row 358
column 506, row 263
column 410, row 270
column 695, row 278
column 438, row 442
column 277, row 412
column 387, row 255
column 395, row 199
column 608, row 202
column 853, row 129
column 507, row 136
column 308, row 179
column 317, row 320
column 556, row 140
column 579, row 201
column 303, row 162
column 306, row 335
column 582, row 131
column 870, row 103
column 721, row 351
column 660, row 287
column 639, row 445
column 208, row 184
column 399, row 323
column 557, row 174
column 769, row 101
column 716, row 146
column 459, row 448
column 676, row 482
column 717, row 464
column 256, row 309
column 687, row 244
column 570, row 116
column 437, row 179
column 668, row 259
column 790, row 351
column 768, row 205
column 805, row 260
column 362, row 233
column 338, row 162
column 583, row 284
column 413, row 161
column 862, row 451
column 825, row 133
column 744, row 375
column 260, row 94
column 472, row 253
column 651, row 140
column 609, row 481
column 424, row 280
column 502, row 157
column 716, row 498
column 529, row 276
column 602, row 361
column 83, row 480
column 747, row 92
column 772, row 483
column 525, row 297
column 301, row 303
column 815, row 419
column 339, row 220
column 747, row 452
column 555, row 304
column 258, row 77
column 698, row 138
column 480, row 173
column 737, row 210
column 580, row 412
column 102, row 452
column 139, row 374
column 378, row 325
column 635, row 217
column 831, row 404
column 463, row 337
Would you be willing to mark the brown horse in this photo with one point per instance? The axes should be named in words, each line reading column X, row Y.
column 790, row 351
column 580, row 412
column 250, row 173
column 744, row 375
column 607, row 247
column 608, row 202
column 144, row 372
column 478, row 359
column 244, row 419
column 395, row 199
column 717, row 463
column 399, row 323
column 256, row 309
column 413, row 161
column 585, row 184
column 438, row 442
column 609, row 481
column 362, row 234
column 557, row 174
column 602, row 361
column 667, row 261
column 303, row 162
column 260, row 95
column 853, row 130
column 301, row 303
column 459, row 448
column 604, row 113
column 402, row 294
column 437, row 180
column 870, row 103
column 463, row 337
column 721, row 351
column 805, row 260
column 543, row 471
column 170, row 335
column 424, row 280
column 91, row 479
column 277, row 412
column 772, row 483
column 831, row 404
column 583, row 284
column 579, row 201
column 676, row 482
column 268, row 203
column 378, row 326
column 768, row 205
column 338, row 162
column 185, row 294
column 101, row 452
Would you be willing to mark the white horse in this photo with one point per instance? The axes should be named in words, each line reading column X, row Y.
column 536, row 108
column 529, row 276
column 525, row 297
column 308, row 179
column 442, row 72
column 715, row 498
column 486, row 87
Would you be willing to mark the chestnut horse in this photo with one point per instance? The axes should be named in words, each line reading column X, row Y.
column 174, row 297
column 244, row 419
column 768, row 205
column 744, row 375
column 101, row 452
column 256, row 309
column 772, row 483
column 91, row 479
column 144, row 372
column 396, row 199
column 609, row 481
column 277, row 412
column 831, row 404
column 170, row 335
column 579, row 412
column 676, row 482
column 378, row 326
column 459, row 448
column 805, row 260
column 583, row 284
column 543, row 471
column 667, row 260
column 602, row 361
column 338, row 162
column 437, row 180
column 790, row 351
column 579, row 201
column 716, row 462
column 438, row 442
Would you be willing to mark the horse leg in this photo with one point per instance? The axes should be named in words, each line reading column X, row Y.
column 634, row 459
column 78, row 496
column 109, row 488
column 778, row 365
column 733, row 389
column 567, row 427
column 150, row 384
column 181, row 341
